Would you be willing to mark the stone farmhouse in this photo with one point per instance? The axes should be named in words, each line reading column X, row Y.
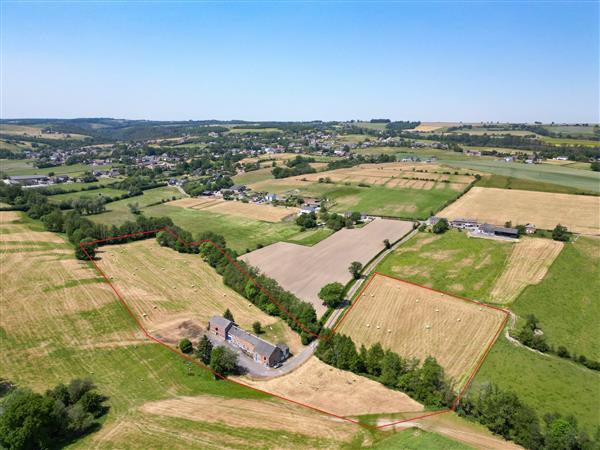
column 259, row 350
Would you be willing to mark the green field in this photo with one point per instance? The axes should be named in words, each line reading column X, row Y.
column 254, row 176
column 240, row 233
column 25, row 167
column 118, row 212
column 405, row 202
column 377, row 200
column 416, row 439
column 546, row 383
column 255, row 130
column 566, row 301
column 504, row 182
column 574, row 130
column 567, row 141
column 546, row 173
column 104, row 192
column 48, row 342
column 310, row 237
column 451, row 262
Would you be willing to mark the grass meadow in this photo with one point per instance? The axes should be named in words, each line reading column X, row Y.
column 118, row 212
column 25, row 167
column 566, row 301
column 451, row 262
column 546, row 383
column 240, row 233
column 582, row 180
column 507, row 182
column 104, row 192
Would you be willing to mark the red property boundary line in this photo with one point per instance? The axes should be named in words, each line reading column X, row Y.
column 275, row 302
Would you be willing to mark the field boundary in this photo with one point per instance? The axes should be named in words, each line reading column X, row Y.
column 218, row 375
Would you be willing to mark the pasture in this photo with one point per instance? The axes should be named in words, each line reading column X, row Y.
column 59, row 320
column 36, row 131
column 101, row 192
column 579, row 213
column 418, row 322
column 118, row 212
column 25, row 167
column 166, row 289
column 426, row 127
column 527, row 265
column 505, row 182
column 242, row 234
column 573, row 130
column 548, row 384
column 581, row 180
column 305, row 270
column 404, row 190
column 452, row 262
column 566, row 300
column 264, row 212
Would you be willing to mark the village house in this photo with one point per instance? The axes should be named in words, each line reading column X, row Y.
column 259, row 350
column 530, row 228
column 464, row 223
column 29, row 180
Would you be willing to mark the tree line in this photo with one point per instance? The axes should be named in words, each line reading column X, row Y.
column 531, row 335
column 299, row 315
column 425, row 382
column 59, row 416
column 297, row 166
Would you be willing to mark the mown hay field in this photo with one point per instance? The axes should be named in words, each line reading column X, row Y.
column 337, row 391
column 59, row 320
column 418, row 322
column 267, row 213
column 173, row 293
column 579, row 213
column 527, row 265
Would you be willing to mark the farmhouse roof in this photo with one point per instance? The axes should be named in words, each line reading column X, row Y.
column 219, row 321
column 487, row 228
column 28, row 177
column 261, row 347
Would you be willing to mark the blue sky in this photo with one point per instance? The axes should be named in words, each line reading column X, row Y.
column 429, row 61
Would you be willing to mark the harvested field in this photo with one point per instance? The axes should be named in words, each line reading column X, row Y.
column 174, row 294
column 528, row 264
column 305, row 270
column 337, row 391
column 267, row 213
column 432, row 126
column 8, row 216
column 579, row 213
column 253, row 413
column 418, row 322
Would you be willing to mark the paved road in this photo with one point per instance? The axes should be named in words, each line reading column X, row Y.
column 260, row 371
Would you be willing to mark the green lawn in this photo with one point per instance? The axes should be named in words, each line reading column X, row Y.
column 254, row 176
column 451, row 262
column 311, row 237
column 25, row 167
column 567, row 301
column 240, row 233
column 118, row 212
column 575, row 178
column 402, row 202
column 416, row 439
column 567, row 141
column 546, row 383
column 574, row 130
column 105, row 192
column 504, row 182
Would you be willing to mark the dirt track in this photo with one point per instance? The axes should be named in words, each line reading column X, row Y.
column 305, row 270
